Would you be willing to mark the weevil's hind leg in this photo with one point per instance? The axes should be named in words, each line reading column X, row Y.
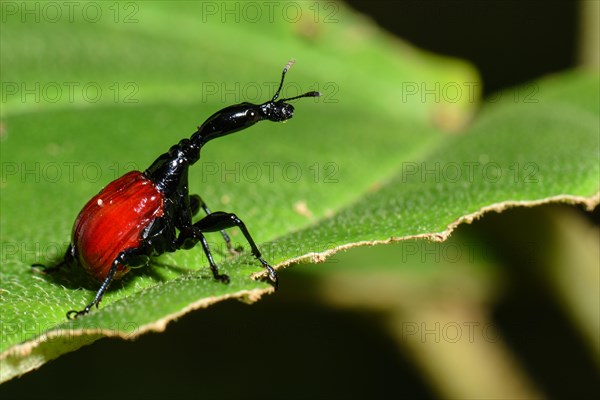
column 196, row 203
column 66, row 261
column 127, row 257
column 219, row 220
column 72, row 314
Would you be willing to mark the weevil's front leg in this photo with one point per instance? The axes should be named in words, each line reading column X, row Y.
column 196, row 203
column 218, row 221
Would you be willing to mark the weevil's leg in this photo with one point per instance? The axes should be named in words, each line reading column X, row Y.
column 66, row 261
column 188, row 239
column 196, row 203
column 72, row 314
column 220, row 220
column 127, row 257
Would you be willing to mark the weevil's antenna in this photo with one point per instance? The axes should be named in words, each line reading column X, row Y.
column 285, row 70
column 307, row 94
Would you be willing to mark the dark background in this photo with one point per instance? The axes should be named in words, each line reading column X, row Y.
column 509, row 41
column 293, row 346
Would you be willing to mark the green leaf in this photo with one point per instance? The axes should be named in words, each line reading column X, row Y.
column 368, row 162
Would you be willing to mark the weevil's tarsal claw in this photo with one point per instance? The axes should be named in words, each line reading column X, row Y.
column 271, row 275
column 43, row 269
column 37, row 267
column 73, row 314
column 222, row 278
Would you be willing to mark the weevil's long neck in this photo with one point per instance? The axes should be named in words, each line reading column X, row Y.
column 169, row 171
column 227, row 121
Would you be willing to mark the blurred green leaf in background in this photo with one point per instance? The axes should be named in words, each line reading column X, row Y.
column 400, row 149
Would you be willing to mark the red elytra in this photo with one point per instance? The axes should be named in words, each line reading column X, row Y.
column 113, row 221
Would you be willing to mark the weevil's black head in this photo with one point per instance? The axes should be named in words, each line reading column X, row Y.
column 276, row 111
column 241, row 116
column 279, row 110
